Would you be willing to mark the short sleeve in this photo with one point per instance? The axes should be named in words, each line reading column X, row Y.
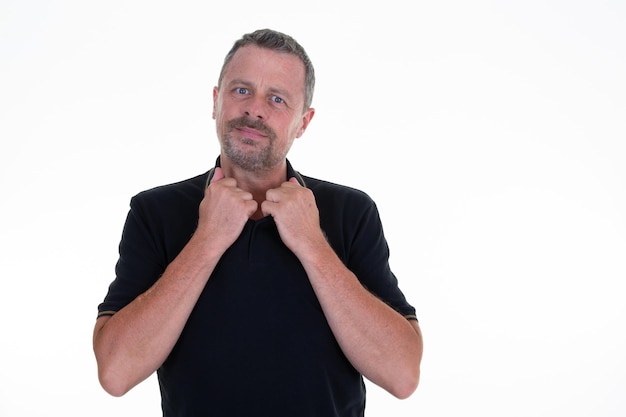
column 139, row 264
column 351, row 222
column 369, row 260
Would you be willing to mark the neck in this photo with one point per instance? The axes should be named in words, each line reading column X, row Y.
column 256, row 183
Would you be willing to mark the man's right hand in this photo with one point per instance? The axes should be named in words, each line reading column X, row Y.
column 224, row 211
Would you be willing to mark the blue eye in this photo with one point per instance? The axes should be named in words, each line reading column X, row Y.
column 277, row 100
column 242, row 90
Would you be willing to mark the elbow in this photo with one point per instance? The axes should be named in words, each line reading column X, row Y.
column 405, row 386
column 112, row 383
column 110, row 371
column 401, row 381
column 407, row 377
column 112, row 377
column 117, row 377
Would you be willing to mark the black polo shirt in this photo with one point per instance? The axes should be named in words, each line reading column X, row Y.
column 257, row 342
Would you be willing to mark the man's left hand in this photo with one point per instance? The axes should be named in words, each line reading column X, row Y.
column 295, row 213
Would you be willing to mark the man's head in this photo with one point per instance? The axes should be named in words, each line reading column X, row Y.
column 279, row 42
column 261, row 103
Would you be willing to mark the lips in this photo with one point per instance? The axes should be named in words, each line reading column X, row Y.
column 251, row 129
column 250, row 133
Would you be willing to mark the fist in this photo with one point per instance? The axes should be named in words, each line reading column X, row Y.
column 224, row 210
column 295, row 213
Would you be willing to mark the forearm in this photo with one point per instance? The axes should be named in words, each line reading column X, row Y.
column 381, row 344
column 133, row 343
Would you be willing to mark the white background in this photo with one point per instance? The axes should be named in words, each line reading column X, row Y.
column 491, row 134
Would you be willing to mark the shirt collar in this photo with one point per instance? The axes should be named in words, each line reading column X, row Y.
column 290, row 173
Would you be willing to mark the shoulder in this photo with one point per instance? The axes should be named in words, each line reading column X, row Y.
column 191, row 189
column 168, row 214
column 330, row 195
column 324, row 187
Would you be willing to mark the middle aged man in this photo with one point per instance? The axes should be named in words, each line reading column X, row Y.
column 253, row 290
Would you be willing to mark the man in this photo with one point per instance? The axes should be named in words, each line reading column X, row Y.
column 251, row 289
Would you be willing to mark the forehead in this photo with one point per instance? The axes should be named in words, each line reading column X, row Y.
column 252, row 64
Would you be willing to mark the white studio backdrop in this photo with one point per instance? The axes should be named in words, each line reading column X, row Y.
column 491, row 134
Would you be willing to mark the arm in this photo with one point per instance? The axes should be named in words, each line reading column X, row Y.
column 380, row 343
column 384, row 346
column 130, row 345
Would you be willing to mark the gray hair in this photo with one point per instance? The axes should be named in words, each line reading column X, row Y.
column 280, row 42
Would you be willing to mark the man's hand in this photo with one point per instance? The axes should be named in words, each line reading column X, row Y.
column 295, row 213
column 224, row 210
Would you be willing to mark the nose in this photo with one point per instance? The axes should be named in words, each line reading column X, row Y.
column 256, row 108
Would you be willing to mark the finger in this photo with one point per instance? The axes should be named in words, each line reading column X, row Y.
column 252, row 206
column 294, row 180
column 273, row 194
column 267, row 208
column 217, row 175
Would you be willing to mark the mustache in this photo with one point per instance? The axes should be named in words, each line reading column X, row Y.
column 252, row 124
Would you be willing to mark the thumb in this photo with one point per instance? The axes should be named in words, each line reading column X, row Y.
column 217, row 175
column 294, row 180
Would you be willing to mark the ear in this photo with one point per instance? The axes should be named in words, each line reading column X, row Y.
column 306, row 119
column 215, row 95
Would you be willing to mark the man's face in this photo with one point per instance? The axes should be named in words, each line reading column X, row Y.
column 258, row 108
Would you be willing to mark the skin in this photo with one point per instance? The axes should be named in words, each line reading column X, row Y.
column 259, row 86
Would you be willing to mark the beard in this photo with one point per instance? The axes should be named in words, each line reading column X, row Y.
column 253, row 156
